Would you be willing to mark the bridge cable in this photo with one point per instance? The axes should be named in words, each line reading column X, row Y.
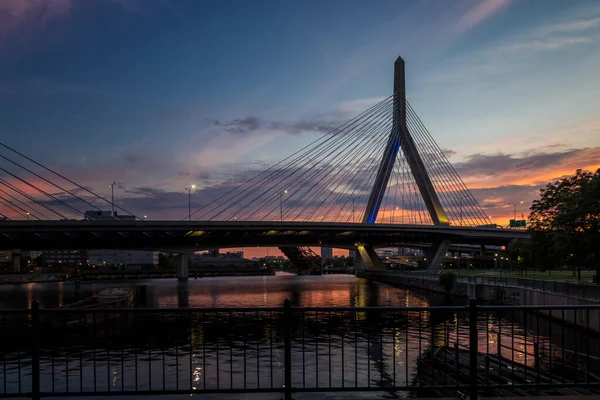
column 329, row 136
column 25, row 212
column 452, row 172
column 68, row 180
column 43, row 192
column 314, row 171
column 292, row 185
column 31, row 211
column 364, row 165
column 30, row 198
column 479, row 216
column 347, row 137
column 319, row 152
column 355, row 148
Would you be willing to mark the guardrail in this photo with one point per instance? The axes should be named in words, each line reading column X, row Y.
column 571, row 289
column 441, row 350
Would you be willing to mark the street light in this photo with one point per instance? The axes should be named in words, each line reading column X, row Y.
column 145, row 216
column 515, row 209
column 189, row 190
column 112, row 196
column 280, row 194
column 27, row 215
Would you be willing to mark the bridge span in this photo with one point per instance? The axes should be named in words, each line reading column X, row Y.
column 184, row 236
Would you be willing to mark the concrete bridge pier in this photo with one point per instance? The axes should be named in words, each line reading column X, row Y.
column 183, row 268
column 16, row 260
column 369, row 258
column 437, row 252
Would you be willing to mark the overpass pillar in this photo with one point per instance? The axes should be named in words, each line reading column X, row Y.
column 359, row 265
column 369, row 258
column 436, row 253
column 183, row 268
column 482, row 251
column 16, row 260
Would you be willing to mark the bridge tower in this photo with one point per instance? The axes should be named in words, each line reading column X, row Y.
column 400, row 138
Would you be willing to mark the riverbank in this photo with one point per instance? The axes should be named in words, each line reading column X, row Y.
column 502, row 293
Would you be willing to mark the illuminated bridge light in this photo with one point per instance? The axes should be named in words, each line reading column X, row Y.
column 347, row 233
column 195, row 233
column 272, row 232
column 304, row 233
column 289, row 233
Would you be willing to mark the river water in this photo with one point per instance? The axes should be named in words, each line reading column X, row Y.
column 209, row 350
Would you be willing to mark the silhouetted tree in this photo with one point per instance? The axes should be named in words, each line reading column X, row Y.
column 565, row 222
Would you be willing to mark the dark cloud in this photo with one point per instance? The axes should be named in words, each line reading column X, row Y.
column 496, row 164
column 250, row 125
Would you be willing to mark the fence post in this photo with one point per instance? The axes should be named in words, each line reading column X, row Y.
column 287, row 348
column 473, row 347
column 35, row 350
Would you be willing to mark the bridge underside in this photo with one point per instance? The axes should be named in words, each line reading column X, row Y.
column 195, row 236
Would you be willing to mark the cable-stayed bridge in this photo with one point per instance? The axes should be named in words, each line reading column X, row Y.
column 378, row 179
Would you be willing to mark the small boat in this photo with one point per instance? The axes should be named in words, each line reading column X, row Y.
column 113, row 298
column 120, row 297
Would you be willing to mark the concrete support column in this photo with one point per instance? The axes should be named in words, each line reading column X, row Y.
column 183, row 269
column 370, row 259
column 436, row 254
column 482, row 251
column 16, row 260
column 359, row 265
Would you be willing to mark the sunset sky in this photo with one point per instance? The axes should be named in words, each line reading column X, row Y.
column 139, row 91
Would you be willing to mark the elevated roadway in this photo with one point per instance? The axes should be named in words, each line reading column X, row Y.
column 187, row 236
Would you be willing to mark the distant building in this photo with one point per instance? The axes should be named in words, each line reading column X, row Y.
column 107, row 216
column 233, row 255
column 129, row 259
column 64, row 259
column 326, row 252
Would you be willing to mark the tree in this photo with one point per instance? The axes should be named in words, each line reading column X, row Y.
column 565, row 222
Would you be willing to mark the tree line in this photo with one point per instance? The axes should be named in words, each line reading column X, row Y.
column 565, row 226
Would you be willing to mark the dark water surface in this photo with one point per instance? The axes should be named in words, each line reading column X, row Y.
column 210, row 350
column 253, row 291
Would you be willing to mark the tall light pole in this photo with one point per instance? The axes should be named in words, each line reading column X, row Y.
column 280, row 194
column 514, row 209
column 189, row 190
column 27, row 214
column 112, row 196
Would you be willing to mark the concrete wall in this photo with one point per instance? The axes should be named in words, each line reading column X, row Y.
column 508, row 295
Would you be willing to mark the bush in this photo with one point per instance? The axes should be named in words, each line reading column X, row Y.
column 447, row 280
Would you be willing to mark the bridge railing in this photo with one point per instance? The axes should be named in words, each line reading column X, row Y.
column 420, row 350
column 568, row 288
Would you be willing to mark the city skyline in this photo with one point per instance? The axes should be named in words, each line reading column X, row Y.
column 171, row 95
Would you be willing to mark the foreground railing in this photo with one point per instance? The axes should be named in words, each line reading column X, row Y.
column 422, row 350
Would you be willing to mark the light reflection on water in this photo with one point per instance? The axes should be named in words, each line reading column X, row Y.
column 358, row 349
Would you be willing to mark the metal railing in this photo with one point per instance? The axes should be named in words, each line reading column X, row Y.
column 570, row 289
column 487, row 350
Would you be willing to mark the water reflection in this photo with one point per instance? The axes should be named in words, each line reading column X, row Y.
column 233, row 349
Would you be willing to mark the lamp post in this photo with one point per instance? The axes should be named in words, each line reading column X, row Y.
column 27, row 215
column 280, row 194
column 189, row 190
column 112, row 196
column 514, row 209
column 145, row 216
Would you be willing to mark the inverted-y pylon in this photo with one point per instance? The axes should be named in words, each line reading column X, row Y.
column 400, row 138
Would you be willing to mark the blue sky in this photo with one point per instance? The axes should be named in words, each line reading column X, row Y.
column 129, row 90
